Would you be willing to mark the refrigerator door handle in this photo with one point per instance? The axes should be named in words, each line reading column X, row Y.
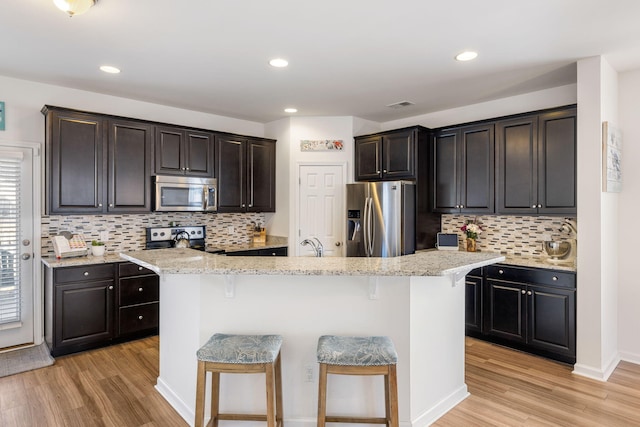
column 365, row 224
column 370, row 230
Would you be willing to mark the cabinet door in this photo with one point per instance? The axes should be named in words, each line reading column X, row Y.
column 552, row 319
column 399, row 155
column 77, row 162
column 199, row 153
column 506, row 310
column 368, row 162
column 517, row 165
column 445, row 171
column 473, row 304
column 261, row 179
column 129, row 178
column 231, row 174
column 169, row 154
column 557, row 162
column 83, row 314
column 476, row 169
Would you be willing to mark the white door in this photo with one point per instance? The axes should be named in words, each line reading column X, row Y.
column 16, row 246
column 321, row 208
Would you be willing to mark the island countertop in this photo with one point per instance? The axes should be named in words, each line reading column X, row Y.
column 426, row 263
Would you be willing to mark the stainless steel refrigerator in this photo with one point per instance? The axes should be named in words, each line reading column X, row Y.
column 381, row 219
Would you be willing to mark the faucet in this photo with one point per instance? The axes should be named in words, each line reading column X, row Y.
column 569, row 225
column 315, row 243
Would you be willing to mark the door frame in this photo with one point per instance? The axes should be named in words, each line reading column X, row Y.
column 293, row 245
column 36, row 215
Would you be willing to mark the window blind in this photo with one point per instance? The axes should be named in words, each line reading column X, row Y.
column 10, row 295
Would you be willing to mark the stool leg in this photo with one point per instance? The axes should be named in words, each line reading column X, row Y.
column 201, row 385
column 270, row 383
column 215, row 398
column 391, row 388
column 322, row 395
column 279, row 413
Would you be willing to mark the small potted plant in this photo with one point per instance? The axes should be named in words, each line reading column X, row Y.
column 97, row 248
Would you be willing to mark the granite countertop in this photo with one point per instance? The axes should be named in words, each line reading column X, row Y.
column 271, row 242
column 428, row 263
column 539, row 262
column 54, row 262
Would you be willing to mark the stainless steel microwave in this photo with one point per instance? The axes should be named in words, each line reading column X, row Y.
column 181, row 193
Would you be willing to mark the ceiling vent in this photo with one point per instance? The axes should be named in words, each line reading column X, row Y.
column 400, row 104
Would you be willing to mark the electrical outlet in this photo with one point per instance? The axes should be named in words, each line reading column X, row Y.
column 231, row 229
column 104, row 235
column 308, row 373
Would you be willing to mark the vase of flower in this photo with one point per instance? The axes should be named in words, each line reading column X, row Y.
column 471, row 229
column 471, row 245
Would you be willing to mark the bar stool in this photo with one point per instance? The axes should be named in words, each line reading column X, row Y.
column 240, row 354
column 358, row 356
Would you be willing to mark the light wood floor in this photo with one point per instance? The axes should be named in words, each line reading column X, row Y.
column 114, row 387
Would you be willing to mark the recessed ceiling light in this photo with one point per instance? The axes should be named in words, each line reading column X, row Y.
column 278, row 62
column 467, row 55
column 290, row 110
column 109, row 69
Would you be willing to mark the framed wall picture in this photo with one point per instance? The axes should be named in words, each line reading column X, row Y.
column 611, row 158
column 1, row 115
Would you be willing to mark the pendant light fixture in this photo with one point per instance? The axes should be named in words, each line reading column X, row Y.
column 74, row 7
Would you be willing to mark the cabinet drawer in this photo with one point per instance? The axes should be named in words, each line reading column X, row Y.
column 84, row 273
column 138, row 290
column 138, row 318
column 532, row 275
column 126, row 269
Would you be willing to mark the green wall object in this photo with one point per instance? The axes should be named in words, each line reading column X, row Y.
column 1, row 115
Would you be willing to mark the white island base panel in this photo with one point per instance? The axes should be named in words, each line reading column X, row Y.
column 424, row 316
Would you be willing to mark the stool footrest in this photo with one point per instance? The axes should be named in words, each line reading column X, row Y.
column 242, row 417
column 360, row 420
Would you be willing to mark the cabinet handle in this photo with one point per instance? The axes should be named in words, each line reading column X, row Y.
column 384, row 171
column 86, row 273
column 110, row 205
column 539, row 206
column 554, row 278
column 111, row 287
column 529, row 293
column 140, row 268
column 140, row 289
column 273, row 254
column 533, row 207
column 243, row 205
column 461, row 206
column 187, row 169
column 378, row 172
column 250, row 205
column 523, row 292
column 139, row 317
column 457, row 206
column 501, row 271
column 99, row 205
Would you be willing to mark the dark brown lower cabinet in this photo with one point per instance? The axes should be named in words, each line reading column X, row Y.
column 473, row 302
column 260, row 252
column 81, row 301
column 530, row 309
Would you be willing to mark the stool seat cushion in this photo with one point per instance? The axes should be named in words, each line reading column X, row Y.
column 356, row 351
column 241, row 349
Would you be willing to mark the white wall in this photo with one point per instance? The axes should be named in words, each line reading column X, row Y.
column 24, row 100
column 629, row 291
column 548, row 98
column 597, row 236
column 278, row 223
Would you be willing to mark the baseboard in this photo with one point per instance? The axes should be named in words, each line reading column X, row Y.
column 597, row 374
column 178, row 404
column 431, row 416
column 630, row 357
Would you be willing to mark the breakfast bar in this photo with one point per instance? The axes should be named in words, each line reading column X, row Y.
column 417, row 300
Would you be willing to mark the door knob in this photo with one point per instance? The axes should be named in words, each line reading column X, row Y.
column 26, row 256
column 338, row 243
column 26, row 242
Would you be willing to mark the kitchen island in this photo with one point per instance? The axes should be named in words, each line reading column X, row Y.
column 417, row 300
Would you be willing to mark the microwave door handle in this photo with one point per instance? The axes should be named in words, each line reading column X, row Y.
column 205, row 197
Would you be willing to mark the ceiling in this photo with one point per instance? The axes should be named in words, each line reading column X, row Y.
column 347, row 57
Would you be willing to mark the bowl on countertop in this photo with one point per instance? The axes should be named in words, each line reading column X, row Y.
column 556, row 249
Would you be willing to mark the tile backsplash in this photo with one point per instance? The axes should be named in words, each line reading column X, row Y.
column 127, row 232
column 509, row 235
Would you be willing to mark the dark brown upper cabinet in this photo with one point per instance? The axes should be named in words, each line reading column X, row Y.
column 95, row 164
column 180, row 151
column 246, row 174
column 537, row 164
column 387, row 156
column 463, row 170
